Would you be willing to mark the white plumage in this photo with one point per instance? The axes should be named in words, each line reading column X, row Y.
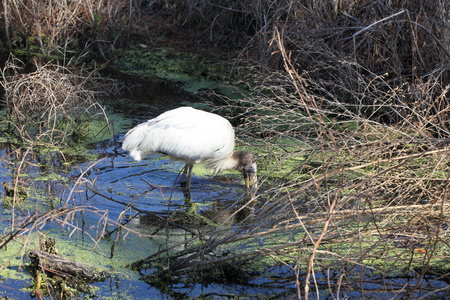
column 192, row 136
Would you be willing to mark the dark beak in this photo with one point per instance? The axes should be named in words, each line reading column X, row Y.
column 250, row 177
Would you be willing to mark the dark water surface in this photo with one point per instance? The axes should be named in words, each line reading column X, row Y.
column 113, row 189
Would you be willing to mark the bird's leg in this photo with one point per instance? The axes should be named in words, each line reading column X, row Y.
column 183, row 178
column 187, row 180
column 188, row 185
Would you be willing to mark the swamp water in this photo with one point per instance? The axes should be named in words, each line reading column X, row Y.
column 80, row 197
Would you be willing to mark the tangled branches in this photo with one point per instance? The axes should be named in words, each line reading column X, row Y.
column 50, row 104
column 357, row 160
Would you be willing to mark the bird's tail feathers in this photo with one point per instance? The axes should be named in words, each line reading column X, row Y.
column 136, row 155
column 137, row 142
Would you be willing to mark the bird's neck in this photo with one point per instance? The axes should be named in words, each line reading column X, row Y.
column 227, row 163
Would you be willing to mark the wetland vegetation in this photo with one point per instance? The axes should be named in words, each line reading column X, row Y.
column 345, row 102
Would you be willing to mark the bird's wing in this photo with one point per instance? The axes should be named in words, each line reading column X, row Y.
column 185, row 134
column 193, row 135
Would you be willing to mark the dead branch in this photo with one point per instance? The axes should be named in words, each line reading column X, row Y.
column 64, row 267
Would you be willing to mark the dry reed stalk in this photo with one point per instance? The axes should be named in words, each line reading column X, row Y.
column 356, row 116
column 67, row 28
column 364, row 166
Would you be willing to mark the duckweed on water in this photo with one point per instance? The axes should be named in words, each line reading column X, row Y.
column 194, row 72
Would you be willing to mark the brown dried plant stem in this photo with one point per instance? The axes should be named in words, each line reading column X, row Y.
column 52, row 104
column 316, row 245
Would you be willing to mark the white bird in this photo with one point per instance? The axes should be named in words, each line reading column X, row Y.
column 192, row 136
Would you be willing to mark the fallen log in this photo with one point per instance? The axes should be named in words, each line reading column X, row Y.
column 58, row 265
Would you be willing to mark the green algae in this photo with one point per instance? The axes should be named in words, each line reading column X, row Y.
column 194, row 72
column 99, row 130
column 49, row 166
column 170, row 64
column 80, row 246
column 290, row 168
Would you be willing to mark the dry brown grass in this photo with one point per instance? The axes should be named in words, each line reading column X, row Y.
column 357, row 197
column 68, row 28
column 350, row 115
column 52, row 104
column 355, row 153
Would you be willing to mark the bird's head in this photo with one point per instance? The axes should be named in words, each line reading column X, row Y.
column 247, row 165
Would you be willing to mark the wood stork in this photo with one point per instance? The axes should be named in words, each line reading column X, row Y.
column 192, row 136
